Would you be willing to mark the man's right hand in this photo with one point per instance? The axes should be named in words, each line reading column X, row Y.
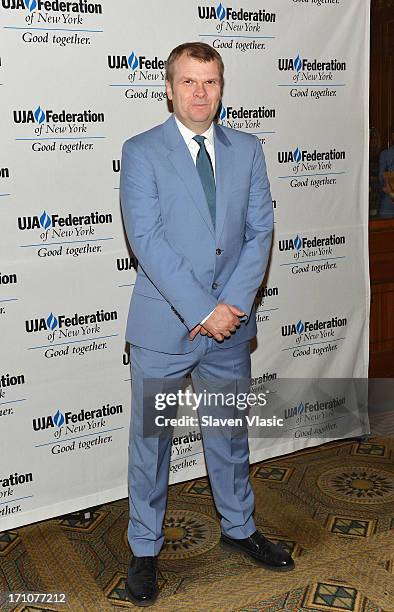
column 223, row 321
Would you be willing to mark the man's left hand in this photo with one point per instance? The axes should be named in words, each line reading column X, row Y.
column 199, row 329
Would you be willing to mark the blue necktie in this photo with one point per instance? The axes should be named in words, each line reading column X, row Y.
column 205, row 170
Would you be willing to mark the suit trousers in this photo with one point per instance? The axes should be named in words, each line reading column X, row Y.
column 226, row 451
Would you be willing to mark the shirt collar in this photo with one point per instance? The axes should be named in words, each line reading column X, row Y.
column 189, row 134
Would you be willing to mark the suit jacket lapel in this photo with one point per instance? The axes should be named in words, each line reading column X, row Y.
column 224, row 171
column 179, row 156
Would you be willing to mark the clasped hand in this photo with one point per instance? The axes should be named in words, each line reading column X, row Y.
column 223, row 321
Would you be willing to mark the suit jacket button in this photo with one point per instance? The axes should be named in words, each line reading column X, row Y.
column 214, row 286
column 218, row 251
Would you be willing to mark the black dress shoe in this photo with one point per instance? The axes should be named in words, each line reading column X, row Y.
column 141, row 584
column 270, row 555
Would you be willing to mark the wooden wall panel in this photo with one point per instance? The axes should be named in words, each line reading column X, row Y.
column 382, row 70
column 381, row 260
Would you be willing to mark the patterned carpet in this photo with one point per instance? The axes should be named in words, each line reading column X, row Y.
column 332, row 507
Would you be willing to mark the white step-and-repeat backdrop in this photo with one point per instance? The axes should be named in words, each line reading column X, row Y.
column 76, row 80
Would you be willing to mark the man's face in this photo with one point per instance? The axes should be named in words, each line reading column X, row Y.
column 195, row 92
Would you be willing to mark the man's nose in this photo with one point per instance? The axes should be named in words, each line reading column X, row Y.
column 200, row 90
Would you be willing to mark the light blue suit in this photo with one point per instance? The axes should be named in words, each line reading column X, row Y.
column 185, row 269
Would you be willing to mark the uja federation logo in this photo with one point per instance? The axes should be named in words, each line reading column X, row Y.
column 312, row 160
column 81, row 6
column 39, row 115
column 314, row 338
column 222, row 13
column 308, row 327
column 59, row 419
column 314, row 410
column 46, row 221
column 60, row 424
column 297, row 243
column 307, row 253
column 241, row 117
column 50, row 323
column 133, row 61
column 64, row 227
column 297, row 64
column 65, row 322
column 304, row 155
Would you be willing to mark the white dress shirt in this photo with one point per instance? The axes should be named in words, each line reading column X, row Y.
column 194, row 148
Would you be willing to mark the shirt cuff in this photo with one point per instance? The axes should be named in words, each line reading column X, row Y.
column 207, row 317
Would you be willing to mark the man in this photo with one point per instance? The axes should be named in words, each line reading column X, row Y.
column 198, row 215
column 386, row 164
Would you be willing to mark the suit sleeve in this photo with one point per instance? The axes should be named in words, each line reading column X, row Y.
column 170, row 272
column 241, row 288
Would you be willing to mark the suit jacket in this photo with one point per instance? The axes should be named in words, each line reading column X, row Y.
column 185, row 266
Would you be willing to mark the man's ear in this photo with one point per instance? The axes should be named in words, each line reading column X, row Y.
column 169, row 90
